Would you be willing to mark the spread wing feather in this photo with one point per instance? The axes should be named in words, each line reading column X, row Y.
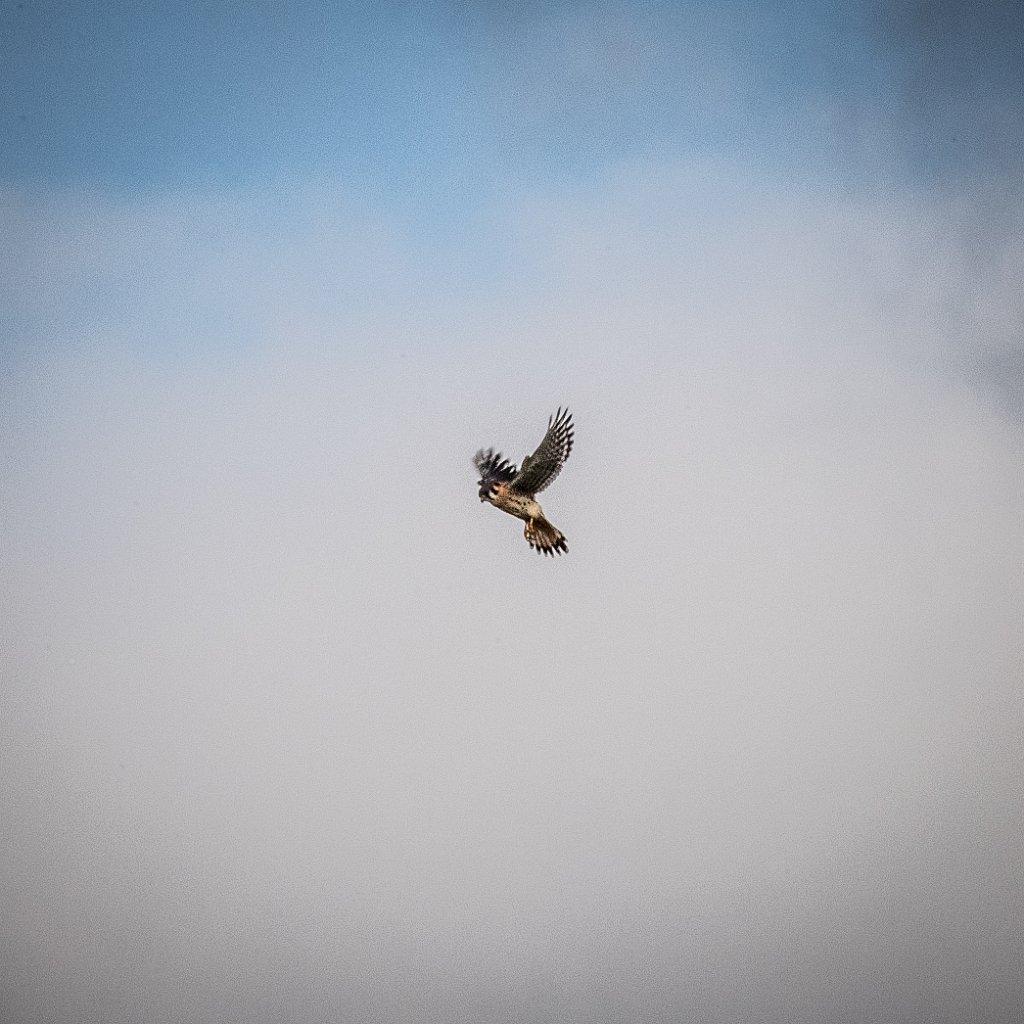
column 541, row 468
column 493, row 467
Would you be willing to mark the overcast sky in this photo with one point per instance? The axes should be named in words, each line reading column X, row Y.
column 294, row 728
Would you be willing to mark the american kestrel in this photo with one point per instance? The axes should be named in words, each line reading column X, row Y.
column 513, row 490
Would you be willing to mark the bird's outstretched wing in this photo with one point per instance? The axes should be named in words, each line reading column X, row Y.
column 541, row 468
column 493, row 467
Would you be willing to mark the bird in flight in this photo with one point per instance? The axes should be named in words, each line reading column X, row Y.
column 513, row 490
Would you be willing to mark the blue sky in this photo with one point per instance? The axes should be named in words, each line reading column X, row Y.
column 434, row 123
column 434, row 108
column 295, row 728
column 431, row 99
column 424, row 131
column 149, row 94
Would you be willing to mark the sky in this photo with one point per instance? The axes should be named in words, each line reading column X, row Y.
column 295, row 728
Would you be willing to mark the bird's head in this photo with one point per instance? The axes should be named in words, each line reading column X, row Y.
column 486, row 490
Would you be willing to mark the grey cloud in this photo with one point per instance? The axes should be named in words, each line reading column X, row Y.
column 960, row 87
column 296, row 728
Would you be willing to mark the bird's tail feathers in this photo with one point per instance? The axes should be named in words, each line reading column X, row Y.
column 543, row 537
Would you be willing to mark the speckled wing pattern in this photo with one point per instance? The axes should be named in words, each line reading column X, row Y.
column 493, row 467
column 541, row 468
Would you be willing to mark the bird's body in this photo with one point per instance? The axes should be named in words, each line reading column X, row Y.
column 513, row 490
column 518, row 505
